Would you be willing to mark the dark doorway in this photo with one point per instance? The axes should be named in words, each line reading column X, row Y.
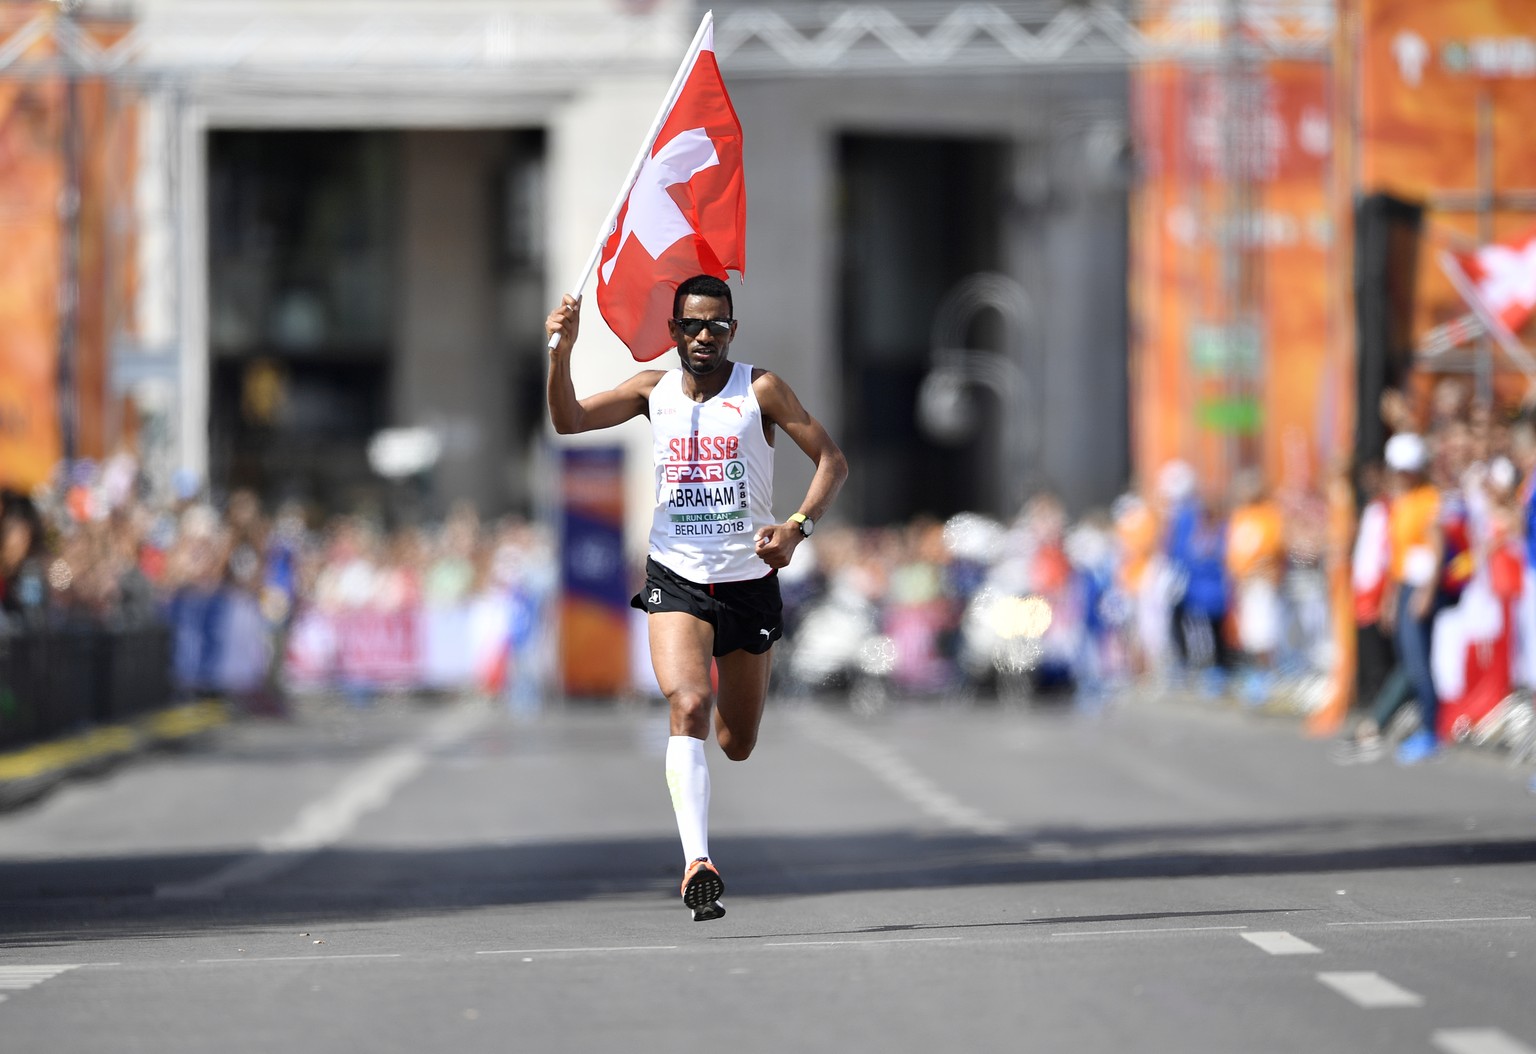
column 918, row 216
column 363, row 279
column 301, row 256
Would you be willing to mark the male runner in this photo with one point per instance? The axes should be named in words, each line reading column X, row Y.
column 711, row 583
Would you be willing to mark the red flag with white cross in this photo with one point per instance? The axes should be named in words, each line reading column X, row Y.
column 1499, row 280
column 686, row 213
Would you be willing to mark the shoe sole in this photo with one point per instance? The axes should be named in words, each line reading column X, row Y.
column 701, row 893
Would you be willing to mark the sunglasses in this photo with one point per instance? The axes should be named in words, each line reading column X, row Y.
column 694, row 326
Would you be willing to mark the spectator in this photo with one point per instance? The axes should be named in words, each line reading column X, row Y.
column 1256, row 562
column 1374, row 655
column 1413, row 584
column 1523, row 452
column 23, row 583
column 1207, row 597
column 1181, row 514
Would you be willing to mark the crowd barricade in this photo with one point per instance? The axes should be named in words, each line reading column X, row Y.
column 468, row 646
column 59, row 679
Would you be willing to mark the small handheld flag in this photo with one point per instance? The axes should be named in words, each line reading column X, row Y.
column 1498, row 282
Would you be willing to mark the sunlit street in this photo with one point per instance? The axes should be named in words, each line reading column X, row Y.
column 1163, row 876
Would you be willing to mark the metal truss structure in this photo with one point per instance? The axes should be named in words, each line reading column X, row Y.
column 988, row 37
column 468, row 39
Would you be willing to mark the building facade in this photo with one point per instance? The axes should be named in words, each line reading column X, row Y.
column 353, row 217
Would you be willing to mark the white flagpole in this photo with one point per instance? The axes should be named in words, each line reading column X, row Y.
column 673, row 92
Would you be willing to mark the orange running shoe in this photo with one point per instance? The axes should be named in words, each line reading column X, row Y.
column 702, row 889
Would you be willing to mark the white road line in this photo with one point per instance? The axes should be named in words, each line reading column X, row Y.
column 1281, row 943
column 324, row 822
column 1145, row 929
column 19, row 978
column 1478, row 1041
column 1425, row 922
column 303, row 958
column 882, row 940
column 1370, row 990
column 888, row 766
column 566, row 951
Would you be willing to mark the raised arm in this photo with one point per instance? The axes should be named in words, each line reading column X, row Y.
column 781, row 407
column 603, row 410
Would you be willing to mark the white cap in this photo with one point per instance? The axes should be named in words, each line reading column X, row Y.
column 1406, row 452
column 1502, row 474
column 1176, row 480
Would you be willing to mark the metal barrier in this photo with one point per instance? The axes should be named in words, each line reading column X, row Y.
column 56, row 680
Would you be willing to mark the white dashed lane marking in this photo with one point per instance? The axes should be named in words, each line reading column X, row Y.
column 1281, row 943
column 567, row 951
column 1427, row 922
column 326, row 821
column 20, row 978
column 882, row 940
column 887, row 765
column 1370, row 990
column 1144, row 930
column 1478, row 1041
column 303, row 958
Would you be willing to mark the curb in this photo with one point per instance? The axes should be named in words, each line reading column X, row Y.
column 31, row 772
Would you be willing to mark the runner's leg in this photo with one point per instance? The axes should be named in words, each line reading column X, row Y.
column 680, row 654
column 739, row 709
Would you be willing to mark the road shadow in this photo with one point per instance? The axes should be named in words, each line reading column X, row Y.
column 50, row 902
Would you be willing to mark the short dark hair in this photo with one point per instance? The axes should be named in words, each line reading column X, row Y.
column 701, row 285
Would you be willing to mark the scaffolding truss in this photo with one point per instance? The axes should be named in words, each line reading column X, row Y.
column 469, row 39
column 988, row 37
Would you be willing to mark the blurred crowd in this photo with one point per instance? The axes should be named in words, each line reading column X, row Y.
column 261, row 605
column 1394, row 602
column 1170, row 587
column 1443, row 580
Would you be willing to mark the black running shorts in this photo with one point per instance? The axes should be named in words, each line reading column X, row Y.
column 747, row 616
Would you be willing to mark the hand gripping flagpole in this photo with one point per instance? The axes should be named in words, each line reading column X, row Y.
column 611, row 222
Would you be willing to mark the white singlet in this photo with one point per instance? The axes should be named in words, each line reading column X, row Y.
column 714, row 480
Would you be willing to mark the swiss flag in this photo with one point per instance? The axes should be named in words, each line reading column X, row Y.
column 1498, row 281
column 685, row 215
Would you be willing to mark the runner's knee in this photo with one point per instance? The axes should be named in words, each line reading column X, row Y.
column 737, row 747
column 690, row 708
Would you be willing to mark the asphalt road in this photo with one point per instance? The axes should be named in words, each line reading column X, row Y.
column 1162, row 877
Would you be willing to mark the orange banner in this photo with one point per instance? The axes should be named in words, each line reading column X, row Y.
column 1231, row 256
column 31, row 183
column 35, row 128
column 1445, row 86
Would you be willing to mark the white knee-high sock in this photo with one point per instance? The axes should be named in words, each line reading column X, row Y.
column 688, row 780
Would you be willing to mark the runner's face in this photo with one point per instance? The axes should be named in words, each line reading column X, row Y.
column 706, row 352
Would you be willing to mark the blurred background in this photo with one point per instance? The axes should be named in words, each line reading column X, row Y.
column 271, row 356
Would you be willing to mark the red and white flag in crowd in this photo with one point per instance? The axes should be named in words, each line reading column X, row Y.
column 686, row 211
column 1498, row 282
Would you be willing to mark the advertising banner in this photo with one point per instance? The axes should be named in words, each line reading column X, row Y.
column 43, row 121
column 1230, row 269
column 595, row 584
column 31, row 267
column 1446, row 94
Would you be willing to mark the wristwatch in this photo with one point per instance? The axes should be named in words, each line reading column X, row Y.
column 806, row 524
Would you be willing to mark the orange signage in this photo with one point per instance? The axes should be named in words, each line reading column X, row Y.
column 31, row 182
column 1231, row 244
column 34, row 130
column 1445, row 105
